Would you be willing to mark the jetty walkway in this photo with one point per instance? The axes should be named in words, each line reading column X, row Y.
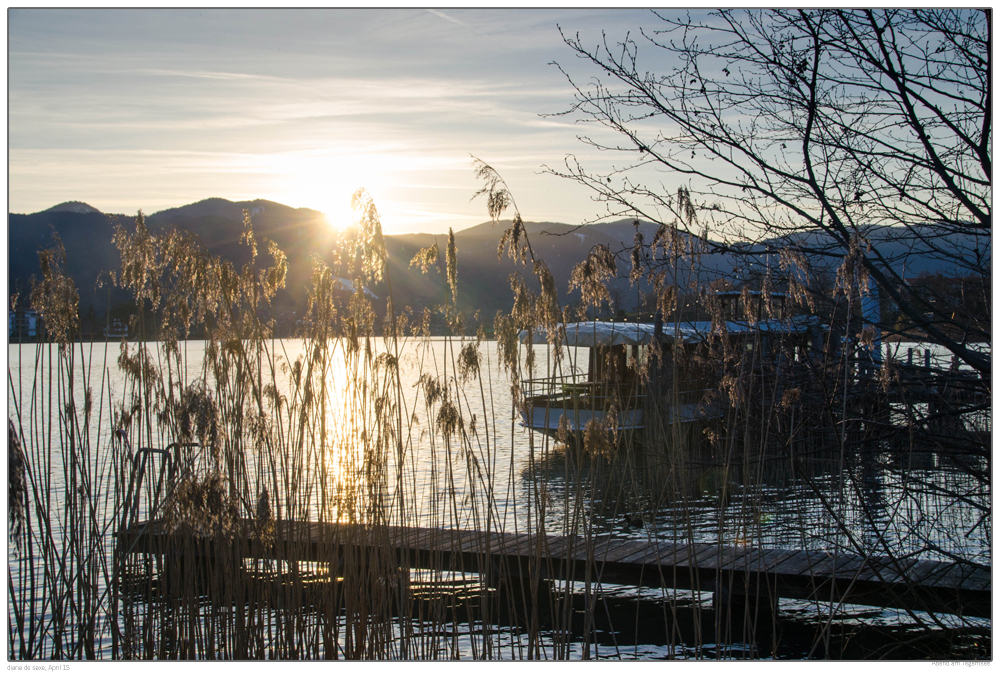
column 735, row 571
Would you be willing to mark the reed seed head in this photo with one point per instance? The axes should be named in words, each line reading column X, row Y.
column 17, row 488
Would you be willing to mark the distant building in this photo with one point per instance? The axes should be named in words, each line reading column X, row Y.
column 23, row 324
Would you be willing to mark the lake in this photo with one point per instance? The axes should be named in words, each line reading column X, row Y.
column 489, row 470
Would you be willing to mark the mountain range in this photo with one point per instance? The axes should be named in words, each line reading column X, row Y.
column 304, row 234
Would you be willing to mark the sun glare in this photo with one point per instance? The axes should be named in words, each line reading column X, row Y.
column 325, row 183
column 338, row 211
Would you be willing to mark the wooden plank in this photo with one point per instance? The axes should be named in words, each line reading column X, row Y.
column 428, row 540
column 972, row 572
column 602, row 544
column 578, row 548
column 851, row 568
column 405, row 540
column 675, row 555
column 800, row 563
column 575, row 568
column 506, row 544
column 446, row 543
column 526, row 545
column 978, row 580
column 450, row 543
column 969, row 576
column 839, row 566
column 296, row 532
column 765, row 560
column 347, row 535
column 646, row 553
column 948, row 577
column 500, row 541
column 664, row 555
column 705, row 557
column 876, row 569
column 575, row 550
column 680, row 556
column 396, row 535
column 722, row 561
column 752, row 560
column 328, row 533
column 413, row 536
column 520, row 555
column 621, row 550
column 520, row 545
column 921, row 569
column 812, row 562
column 466, row 549
column 689, row 565
column 555, row 547
column 452, row 539
column 699, row 556
column 605, row 545
column 899, row 571
column 406, row 537
column 740, row 558
column 475, row 544
column 909, row 571
column 933, row 576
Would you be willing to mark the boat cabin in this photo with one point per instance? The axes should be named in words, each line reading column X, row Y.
column 611, row 381
column 618, row 377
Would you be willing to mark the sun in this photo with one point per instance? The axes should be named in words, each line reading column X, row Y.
column 324, row 181
column 337, row 210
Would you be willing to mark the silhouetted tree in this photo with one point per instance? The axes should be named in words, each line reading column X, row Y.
column 862, row 138
column 839, row 151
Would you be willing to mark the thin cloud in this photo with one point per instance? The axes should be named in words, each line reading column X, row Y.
column 123, row 112
column 442, row 15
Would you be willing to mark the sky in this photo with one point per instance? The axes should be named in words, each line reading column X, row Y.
column 151, row 109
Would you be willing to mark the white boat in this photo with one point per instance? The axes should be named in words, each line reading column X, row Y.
column 613, row 383
column 116, row 330
column 610, row 381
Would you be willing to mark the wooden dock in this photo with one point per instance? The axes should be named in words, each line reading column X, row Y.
column 915, row 584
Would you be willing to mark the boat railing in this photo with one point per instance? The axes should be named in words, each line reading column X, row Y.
column 566, row 393
column 577, row 385
column 555, row 385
